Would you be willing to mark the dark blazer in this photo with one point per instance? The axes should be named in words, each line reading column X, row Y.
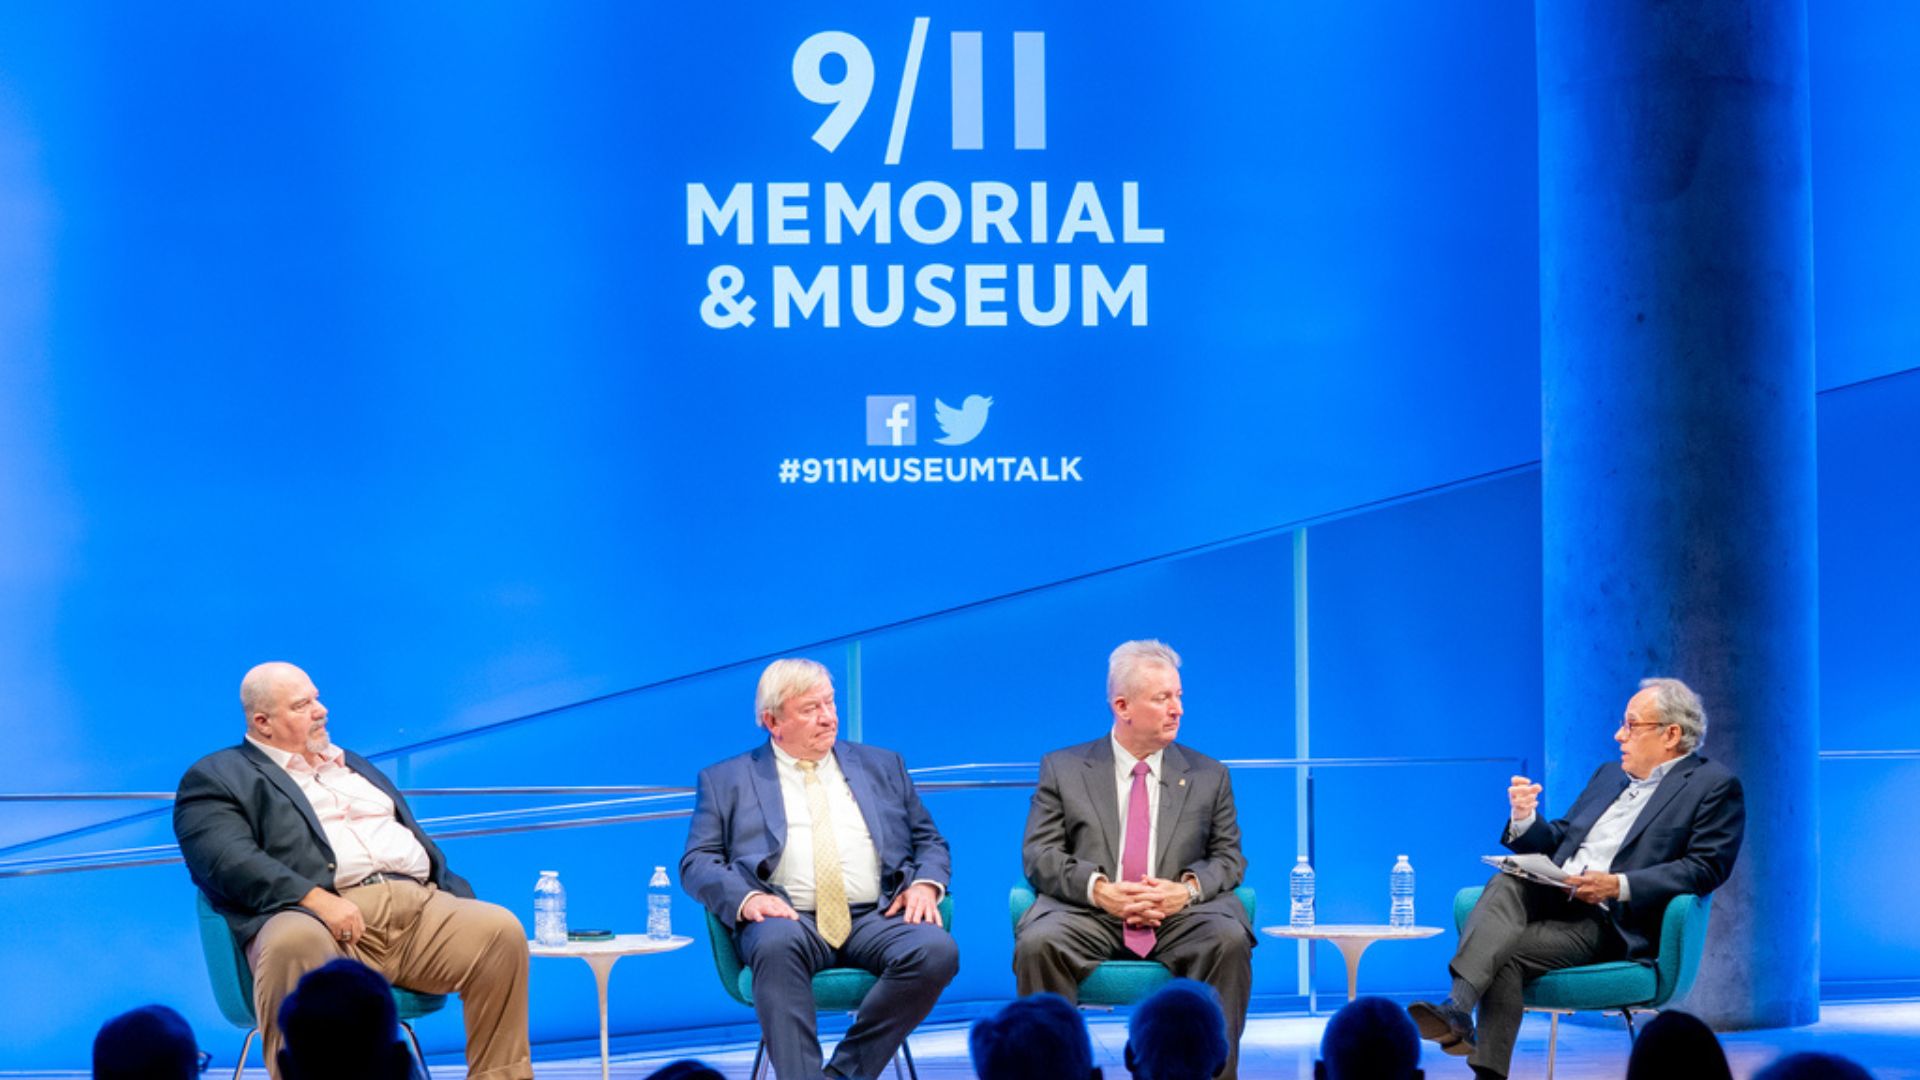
column 1685, row 841
column 1073, row 828
column 253, row 843
column 739, row 827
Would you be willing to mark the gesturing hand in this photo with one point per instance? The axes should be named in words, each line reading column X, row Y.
column 1523, row 795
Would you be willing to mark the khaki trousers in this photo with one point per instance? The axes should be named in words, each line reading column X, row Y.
column 419, row 938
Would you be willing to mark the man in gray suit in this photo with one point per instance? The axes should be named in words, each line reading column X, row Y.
column 1134, row 849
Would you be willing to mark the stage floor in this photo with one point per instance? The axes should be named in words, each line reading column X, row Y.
column 1884, row 1037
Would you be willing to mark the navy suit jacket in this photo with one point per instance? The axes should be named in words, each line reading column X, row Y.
column 1685, row 841
column 740, row 826
column 253, row 843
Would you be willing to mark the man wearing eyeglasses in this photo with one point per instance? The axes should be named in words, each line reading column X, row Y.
column 1665, row 822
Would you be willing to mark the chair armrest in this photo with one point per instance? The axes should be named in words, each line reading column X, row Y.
column 1683, row 939
column 227, row 970
column 726, row 962
column 1019, row 899
column 1463, row 902
column 1245, row 895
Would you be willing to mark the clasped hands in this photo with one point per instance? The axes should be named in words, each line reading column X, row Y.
column 1144, row 903
column 920, row 901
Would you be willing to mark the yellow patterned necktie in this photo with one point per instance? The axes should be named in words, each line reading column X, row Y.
column 830, row 912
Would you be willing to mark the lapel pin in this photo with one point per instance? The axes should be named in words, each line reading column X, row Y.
column 1183, row 781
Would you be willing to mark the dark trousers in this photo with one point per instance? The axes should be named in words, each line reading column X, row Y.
column 1059, row 948
column 914, row 962
column 1519, row 931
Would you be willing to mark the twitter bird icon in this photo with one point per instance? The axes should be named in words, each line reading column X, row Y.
column 960, row 426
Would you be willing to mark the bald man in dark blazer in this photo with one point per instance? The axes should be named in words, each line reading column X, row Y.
column 310, row 853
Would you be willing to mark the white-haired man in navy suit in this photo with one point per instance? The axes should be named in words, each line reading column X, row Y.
column 817, row 853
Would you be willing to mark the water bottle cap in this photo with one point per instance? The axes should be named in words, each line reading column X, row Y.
column 549, row 873
column 1402, row 858
column 662, row 869
column 1303, row 858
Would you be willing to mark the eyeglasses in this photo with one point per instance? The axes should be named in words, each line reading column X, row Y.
column 1631, row 728
column 206, row 1059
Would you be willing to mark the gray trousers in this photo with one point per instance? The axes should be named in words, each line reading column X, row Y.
column 1058, row 949
column 914, row 961
column 1519, row 931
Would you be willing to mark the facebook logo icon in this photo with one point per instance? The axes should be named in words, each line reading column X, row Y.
column 890, row 420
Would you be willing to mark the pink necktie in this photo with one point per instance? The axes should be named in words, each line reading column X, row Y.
column 1133, row 861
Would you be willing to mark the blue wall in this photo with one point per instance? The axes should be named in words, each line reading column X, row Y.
column 370, row 339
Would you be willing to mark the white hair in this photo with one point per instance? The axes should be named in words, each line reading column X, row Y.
column 1130, row 657
column 784, row 679
column 1679, row 705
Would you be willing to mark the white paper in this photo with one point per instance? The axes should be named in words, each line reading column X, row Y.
column 1535, row 867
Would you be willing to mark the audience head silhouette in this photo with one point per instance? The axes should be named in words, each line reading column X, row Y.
column 1677, row 1044
column 1808, row 1065
column 340, row 1021
column 1179, row 1033
column 151, row 1042
column 685, row 1069
column 1370, row 1039
column 1040, row 1037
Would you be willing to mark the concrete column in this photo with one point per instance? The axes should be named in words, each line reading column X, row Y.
column 1676, row 271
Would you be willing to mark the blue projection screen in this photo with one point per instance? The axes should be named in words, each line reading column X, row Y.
column 488, row 360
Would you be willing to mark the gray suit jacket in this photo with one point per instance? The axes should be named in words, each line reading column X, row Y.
column 1073, row 828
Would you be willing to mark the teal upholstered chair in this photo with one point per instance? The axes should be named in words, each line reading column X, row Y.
column 834, row 990
column 1621, row 984
column 1116, row 982
column 232, row 983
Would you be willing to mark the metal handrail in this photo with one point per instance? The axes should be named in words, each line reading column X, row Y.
column 526, row 820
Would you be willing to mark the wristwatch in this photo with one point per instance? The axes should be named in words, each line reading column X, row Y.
column 1193, row 892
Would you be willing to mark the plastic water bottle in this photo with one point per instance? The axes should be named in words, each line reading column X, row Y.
column 549, row 909
column 1300, row 889
column 659, row 906
column 1401, row 914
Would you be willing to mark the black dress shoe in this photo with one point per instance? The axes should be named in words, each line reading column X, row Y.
column 1445, row 1023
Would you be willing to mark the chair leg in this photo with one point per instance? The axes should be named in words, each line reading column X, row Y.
column 759, row 1060
column 1628, row 1013
column 419, row 1055
column 246, row 1044
column 1553, row 1043
column 907, row 1052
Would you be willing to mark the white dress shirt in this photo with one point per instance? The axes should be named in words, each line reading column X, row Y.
column 859, row 859
column 1602, row 842
column 358, row 818
column 1123, row 763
